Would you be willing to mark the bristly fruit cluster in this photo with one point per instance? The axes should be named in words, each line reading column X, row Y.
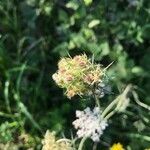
column 78, row 75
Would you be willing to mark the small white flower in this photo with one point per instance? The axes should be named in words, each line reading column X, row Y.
column 90, row 123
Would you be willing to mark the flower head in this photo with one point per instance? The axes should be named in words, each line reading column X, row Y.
column 90, row 124
column 77, row 75
column 50, row 143
column 117, row 146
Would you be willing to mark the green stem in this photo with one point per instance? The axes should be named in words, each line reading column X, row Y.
column 139, row 136
column 113, row 103
column 7, row 115
column 136, row 98
column 6, row 94
column 82, row 143
column 95, row 146
column 97, row 101
column 110, row 114
column 110, row 106
column 64, row 140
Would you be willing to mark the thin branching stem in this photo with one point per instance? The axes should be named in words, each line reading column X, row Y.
column 136, row 98
column 110, row 114
column 63, row 140
column 114, row 102
column 110, row 106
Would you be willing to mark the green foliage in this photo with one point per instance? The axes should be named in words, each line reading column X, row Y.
column 34, row 34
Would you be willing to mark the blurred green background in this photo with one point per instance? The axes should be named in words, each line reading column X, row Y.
column 35, row 34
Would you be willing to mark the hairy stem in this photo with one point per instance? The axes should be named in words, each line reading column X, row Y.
column 82, row 143
column 110, row 114
column 136, row 98
column 113, row 103
column 110, row 106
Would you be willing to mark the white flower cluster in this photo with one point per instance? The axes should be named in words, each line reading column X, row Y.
column 90, row 124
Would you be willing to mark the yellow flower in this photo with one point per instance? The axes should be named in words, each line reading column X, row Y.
column 117, row 146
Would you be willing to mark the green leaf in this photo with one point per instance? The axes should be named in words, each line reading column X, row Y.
column 87, row 2
column 93, row 23
column 105, row 48
column 73, row 5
